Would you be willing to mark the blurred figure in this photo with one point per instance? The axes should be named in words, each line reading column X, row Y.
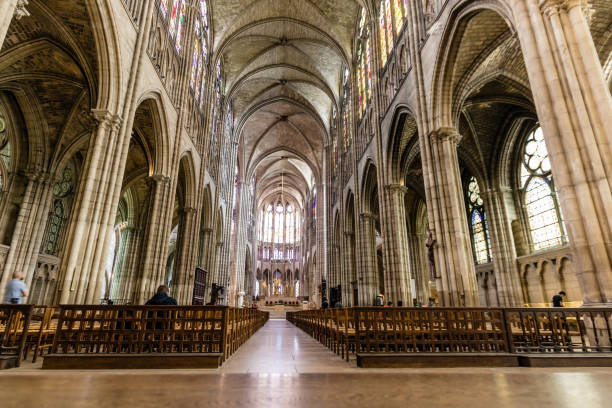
column 16, row 290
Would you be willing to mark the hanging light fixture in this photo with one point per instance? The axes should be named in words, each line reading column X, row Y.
column 282, row 196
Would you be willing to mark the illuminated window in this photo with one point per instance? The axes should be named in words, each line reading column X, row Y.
column 363, row 64
column 383, row 32
column 392, row 13
column 174, row 12
column 200, row 54
column 478, row 223
column 539, row 195
column 280, row 224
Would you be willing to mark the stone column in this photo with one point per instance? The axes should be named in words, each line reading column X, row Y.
column 25, row 242
column 218, row 261
column 397, row 265
column 240, row 240
column 418, row 267
column 349, row 269
column 206, row 253
column 79, row 266
column 367, row 275
column 186, row 260
column 130, row 280
column 574, row 108
column 453, row 251
column 502, row 248
column 153, row 261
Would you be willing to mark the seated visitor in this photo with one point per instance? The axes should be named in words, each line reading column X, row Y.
column 389, row 304
column 162, row 298
column 557, row 300
column 325, row 304
column 15, row 289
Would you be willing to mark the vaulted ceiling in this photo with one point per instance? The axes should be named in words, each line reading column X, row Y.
column 283, row 62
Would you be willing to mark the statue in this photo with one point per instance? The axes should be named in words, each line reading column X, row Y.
column 430, row 244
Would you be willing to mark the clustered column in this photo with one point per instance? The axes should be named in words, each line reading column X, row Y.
column 574, row 108
column 454, row 263
column 367, row 274
column 397, row 273
column 153, row 260
column 502, row 247
column 29, row 229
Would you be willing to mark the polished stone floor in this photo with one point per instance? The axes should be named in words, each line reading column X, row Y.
column 283, row 367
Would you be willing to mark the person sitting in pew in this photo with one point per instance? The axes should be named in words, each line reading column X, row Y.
column 161, row 298
column 558, row 299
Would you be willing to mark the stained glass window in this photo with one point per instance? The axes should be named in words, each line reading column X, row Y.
column 163, row 6
column 200, row 54
column 478, row 223
column 391, row 14
column 383, row 33
column 346, row 119
column 174, row 12
column 398, row 15
column 5, row 149
column 280, row 225
column 540, row 198
column 364, row 64
column 389, row 26
column 55, row 226
column 290, row 227
column 368, row 70
column 267, row 236
column 62, row 189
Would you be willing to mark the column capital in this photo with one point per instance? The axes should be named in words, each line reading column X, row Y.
column 207, row 230
column 41, row 176
column 105, row 118
column 446, row 133
column 396, row 188
column 349, row 234
column 158, row 178
column 367, row 216
column 552, row 7
column 189, row 210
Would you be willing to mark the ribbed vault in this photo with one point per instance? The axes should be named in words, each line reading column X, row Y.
column 283, row 62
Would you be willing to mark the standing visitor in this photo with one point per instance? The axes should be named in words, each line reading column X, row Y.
column 16, row 289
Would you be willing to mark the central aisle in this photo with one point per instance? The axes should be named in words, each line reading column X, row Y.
column 280, row 347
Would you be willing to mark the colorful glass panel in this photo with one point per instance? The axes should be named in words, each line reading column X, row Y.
column 383, row 33
column 163, row 6
column 179, row 25
column 173, row 14
column 195, row 60
column 389, row 26
column 368, row 70
column 398, row 14
column 478, row 223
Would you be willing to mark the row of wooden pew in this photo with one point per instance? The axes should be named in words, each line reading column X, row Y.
column 91, row 330
column 377, row 330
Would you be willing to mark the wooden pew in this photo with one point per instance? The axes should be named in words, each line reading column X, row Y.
column 109, row 337
column 14, row 325
column 415, row 337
